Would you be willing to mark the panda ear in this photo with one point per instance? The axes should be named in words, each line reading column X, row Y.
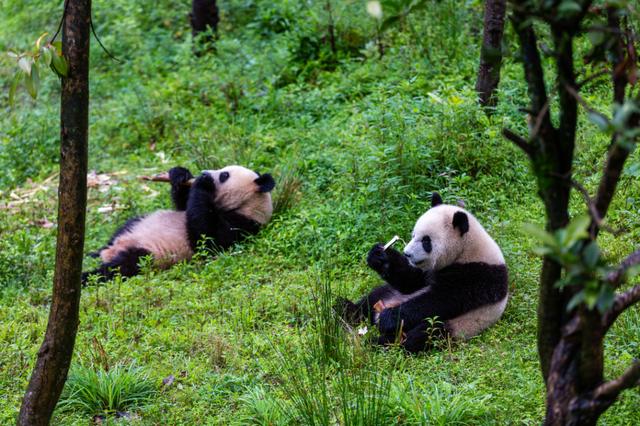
column 461, row 222
column 436, row 199
column 265, row 182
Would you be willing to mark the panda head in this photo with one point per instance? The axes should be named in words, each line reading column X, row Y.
column 244, row 191
column 440, row 236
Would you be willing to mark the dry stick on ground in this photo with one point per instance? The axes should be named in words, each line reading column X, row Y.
column 54, row 356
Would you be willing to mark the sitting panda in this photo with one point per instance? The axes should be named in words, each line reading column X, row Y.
column 451, row 270
column 219, row 208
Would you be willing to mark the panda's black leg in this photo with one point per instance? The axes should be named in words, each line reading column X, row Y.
column 366, row 304
column 179, row 191
column 125, row 263
column 362, row 310
column 424, row 336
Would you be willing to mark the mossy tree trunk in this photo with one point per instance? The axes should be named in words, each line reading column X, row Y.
column 54, row 357
column 491, row 52
column 571, row 340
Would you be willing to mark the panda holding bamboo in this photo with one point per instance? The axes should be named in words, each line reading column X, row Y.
column 218, row 208
column 451, row 271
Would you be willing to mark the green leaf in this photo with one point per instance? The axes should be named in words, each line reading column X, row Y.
column 569, row 7
column 575, row 300
column 622, row 114
column 25, row 64
column 17, row 78
column 591, row 254
column 40, row 40
column 542, row 251
column 605, row 298
column 590, row 297
column 596, row 37
column 58, row 47
column 389, row 22
column 35, row 78
column 599, row 120
column 30, row 84
column 539, row 233
column 631, row 272
column 577, row 230
column 59, row 65
column 45, row 55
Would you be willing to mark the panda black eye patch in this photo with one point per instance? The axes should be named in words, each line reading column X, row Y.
column 223, row 177
column 426, row 243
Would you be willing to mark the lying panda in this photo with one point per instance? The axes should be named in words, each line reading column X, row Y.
column 220, row 208
column 451, row 270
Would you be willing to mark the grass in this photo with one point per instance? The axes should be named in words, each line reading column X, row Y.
column 92, row 391
column 356, row 144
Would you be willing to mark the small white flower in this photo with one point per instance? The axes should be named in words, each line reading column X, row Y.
column 363, row 330
column 374, row 9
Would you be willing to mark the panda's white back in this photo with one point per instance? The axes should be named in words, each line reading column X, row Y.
column 163, row 233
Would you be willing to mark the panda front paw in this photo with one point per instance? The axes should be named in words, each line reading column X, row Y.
column 378, row 260
column 389, row 321
column 205, row 182
column 179, row 175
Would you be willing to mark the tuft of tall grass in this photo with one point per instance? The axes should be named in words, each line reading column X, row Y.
column 365, row 396
column 96, row 391
column 329, row 376
column 263, row 408
column 287, row 191
column 439, row 404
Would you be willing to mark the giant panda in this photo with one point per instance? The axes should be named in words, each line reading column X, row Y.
column 218, row 209
column 451, row 271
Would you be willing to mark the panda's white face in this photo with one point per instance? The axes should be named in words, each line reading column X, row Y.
column 435, row 241
column 241, row 189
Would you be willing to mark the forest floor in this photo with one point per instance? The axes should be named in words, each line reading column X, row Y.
column 356, row 143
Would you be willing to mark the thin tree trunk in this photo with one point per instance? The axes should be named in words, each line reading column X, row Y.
column 491, row 52
column 54, row 356
column 204, row 17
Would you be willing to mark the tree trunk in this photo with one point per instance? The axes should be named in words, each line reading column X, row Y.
column 54, row 356
column 491, row 52
column 204, row 17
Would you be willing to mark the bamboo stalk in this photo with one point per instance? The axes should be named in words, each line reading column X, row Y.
column 164, row 177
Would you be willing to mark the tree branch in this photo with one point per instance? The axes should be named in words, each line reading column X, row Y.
column 519, row 141
column 622, row 302
column 617, row 154
column 590, row 405
column 611, row 389
column 616, row 277
column 566, row 83
column 593, row 211
column 534, row 73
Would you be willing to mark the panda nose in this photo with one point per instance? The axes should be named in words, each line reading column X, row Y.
column 407, row 255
